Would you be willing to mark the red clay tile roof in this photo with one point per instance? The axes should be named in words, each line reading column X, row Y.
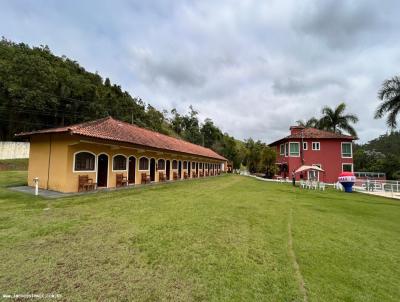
column 114, row 130
column 314, row 133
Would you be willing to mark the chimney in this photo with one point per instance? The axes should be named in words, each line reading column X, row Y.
column 296, row 130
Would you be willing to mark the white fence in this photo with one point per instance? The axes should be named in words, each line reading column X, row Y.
column 12, row 150
column 378, row 185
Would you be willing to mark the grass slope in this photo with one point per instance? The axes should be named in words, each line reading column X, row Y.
column 230, row 238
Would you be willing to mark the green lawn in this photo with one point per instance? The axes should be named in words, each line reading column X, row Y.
column 229, row 238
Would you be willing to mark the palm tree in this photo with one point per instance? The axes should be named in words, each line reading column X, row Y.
column 390, row 96
column 334, row 119
column 310, row 123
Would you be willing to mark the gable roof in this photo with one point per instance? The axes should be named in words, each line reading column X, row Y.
column 115, row 130
column 313, row 133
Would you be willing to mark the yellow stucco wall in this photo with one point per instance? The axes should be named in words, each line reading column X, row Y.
column 62, row 176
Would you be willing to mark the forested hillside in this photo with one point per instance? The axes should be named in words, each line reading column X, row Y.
column 40, row 90
column 380, row 155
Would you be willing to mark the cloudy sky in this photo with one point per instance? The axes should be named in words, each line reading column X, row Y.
column 254, row 67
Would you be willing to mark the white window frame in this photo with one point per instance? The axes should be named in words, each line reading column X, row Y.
column 305, row 145
column 316, row 165
column 351, row 149
column 86, row 171
column 148, row 160
column 290, row 154
column 165, row 164
column 286, row 150
column 348, row 164
column 126, row 163
column 172, row 164
column 319, row 146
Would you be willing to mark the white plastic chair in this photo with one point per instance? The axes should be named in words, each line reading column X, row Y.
column 302, row 184
column 308, row 184
column 314, row 185
column 321, row 186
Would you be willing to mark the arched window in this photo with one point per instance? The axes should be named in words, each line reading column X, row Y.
column 143, row 163
column 119, row 163
column 185, row 164
column 84, row 161
column 161, row 164
column 174, row 164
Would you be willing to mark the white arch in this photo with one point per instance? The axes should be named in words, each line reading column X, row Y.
column 165, row 164
column 172, row 164
column 89, row 171
column 148, row 163
column 126, row 163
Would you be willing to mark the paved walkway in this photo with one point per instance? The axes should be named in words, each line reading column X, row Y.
column 46, row 193
column 394, row 195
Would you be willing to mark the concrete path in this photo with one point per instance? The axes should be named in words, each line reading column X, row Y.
column 394, row 195
column 45, row 193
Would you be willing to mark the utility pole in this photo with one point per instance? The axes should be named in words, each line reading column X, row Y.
column 301, row 147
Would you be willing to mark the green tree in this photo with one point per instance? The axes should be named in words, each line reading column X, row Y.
column 390, row 97
column 310, row 123
column 268, row 162
column 40, row 90
column 210, row 133
column 335, row 119
column 191, row 127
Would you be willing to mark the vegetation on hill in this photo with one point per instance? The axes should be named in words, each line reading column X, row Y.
column 380, row 155
column 40, row 90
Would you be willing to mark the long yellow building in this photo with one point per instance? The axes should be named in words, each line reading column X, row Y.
column 108, row 152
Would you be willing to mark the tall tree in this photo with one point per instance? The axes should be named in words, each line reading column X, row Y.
column 310, row 123
column 335, row 119
column 390, row 97
column 210, row 133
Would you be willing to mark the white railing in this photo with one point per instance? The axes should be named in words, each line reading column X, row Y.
column 378, row 185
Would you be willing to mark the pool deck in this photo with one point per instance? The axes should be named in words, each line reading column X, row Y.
column 394, row 195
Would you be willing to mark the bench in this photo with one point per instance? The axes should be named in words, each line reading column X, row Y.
column 185, row 175
column 201, row 174
column 194, row 174
column 175, row 176
column 85, row 183
column 121, row 180
column 145, row 178
column 161, row 177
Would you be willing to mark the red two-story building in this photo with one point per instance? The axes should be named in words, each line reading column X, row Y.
column 332, row 152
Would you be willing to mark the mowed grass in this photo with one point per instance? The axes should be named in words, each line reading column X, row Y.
column 228, row 238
